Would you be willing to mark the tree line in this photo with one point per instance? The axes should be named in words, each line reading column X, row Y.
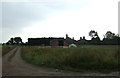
column 15, row 41
column 110, row 38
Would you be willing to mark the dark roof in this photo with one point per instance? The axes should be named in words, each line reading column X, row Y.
column 51, row 38
column 54, row 40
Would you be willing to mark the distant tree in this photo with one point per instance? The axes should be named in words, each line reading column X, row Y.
column 93, row 34
column 94, row 37
column 109, row 35
column 111, row 39
column 12, row 40
column 18, row 40
column 8, row 43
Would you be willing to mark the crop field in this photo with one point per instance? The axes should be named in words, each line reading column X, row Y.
column 7, row 48
column 97, row 58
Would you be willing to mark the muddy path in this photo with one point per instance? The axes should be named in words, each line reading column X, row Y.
column 14, row 65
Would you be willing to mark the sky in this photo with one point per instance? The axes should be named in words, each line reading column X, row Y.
column 56, row 18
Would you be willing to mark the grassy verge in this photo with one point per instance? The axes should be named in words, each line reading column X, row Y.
column 83, row 58
column 7, row 48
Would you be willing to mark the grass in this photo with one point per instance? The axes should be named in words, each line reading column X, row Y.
column 83, row 58
column 7, row 48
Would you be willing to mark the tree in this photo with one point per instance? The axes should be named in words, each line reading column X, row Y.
column 12, row 40
column 94, row 37
column 111, row 39
column 109, row 35
column 93, row 34
column 18, row 40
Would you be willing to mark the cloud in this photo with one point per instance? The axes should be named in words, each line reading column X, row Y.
column 18, row 15
column 78, row 22
column 58, row 17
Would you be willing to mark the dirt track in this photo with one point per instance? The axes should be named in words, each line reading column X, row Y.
column 15, row 66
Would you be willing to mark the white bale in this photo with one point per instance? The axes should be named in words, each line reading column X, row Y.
column 72, row 45
column 65, row 46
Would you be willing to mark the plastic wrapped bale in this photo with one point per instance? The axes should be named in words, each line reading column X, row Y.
column 72, row 45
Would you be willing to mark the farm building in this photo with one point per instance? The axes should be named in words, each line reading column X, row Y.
column 58, row 42
column 82, row 41
column 47, row 41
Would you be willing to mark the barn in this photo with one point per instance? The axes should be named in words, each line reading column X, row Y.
column 51, row 41
column 58, row 42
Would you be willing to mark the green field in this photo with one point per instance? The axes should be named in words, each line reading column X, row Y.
column 7, row 48
column 97, row 58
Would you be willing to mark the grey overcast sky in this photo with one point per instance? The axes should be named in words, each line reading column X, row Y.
column 56, row 18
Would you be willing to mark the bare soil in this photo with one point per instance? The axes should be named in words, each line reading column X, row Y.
column 16, row 66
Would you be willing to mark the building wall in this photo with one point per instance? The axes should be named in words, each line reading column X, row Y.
column 65, row 44
column 47, row 41
column 41, row 41
column 54, row 44
column 57, row 44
